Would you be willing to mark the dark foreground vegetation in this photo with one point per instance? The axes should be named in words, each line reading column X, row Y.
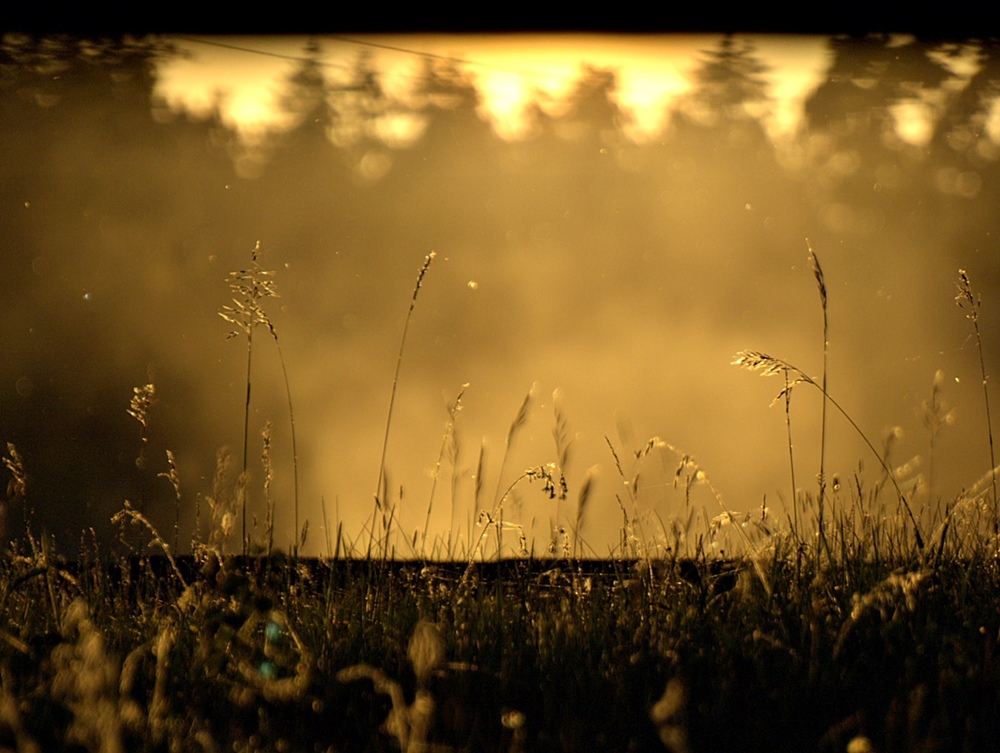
column 855, row 652
column 862, row 622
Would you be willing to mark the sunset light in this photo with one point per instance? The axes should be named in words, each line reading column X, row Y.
column 512, row 72
column 613, row 217
column 504, row 393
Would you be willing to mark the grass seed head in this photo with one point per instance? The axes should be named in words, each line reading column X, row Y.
column 18, row 484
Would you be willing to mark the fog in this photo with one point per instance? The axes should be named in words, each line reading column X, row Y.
column 614, row 276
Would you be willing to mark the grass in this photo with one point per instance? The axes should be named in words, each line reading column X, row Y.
column 854, row 623
column 250, row 287
column 821, row 476
column 970, row 303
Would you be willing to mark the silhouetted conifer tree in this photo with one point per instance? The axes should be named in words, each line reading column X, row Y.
column 728, row 83
column 864, row 157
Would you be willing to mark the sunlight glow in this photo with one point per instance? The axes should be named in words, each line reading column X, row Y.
column 241, row 78
column 206, row 78
column 797, row 66
column 914, row 121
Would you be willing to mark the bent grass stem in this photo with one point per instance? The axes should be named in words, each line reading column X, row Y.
column 380, row 501
column 754, row 360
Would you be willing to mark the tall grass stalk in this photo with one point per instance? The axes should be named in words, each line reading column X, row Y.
column 299, row 533
column 142, row 400
column 519, row 421
column 563, row 442
column 380, row 494
column 494, row 517
column 265, row 460
column 174, row 479
column 821, row 478
column 130, row 514
column 770, row 366
column 936, row 416
column 250, row 286
column 970, row 303
column 753, row 360
column 586, row 489
column 449, row 437
column 688, row 461
column 632, row 487
column 477, row 493
column 787, row 392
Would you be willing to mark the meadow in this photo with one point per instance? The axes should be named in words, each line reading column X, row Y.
column 854, row 619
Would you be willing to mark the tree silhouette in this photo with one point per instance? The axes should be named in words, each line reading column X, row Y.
column 447, row 97
column 454, row 135
column 869, row 75
column 964, row 170
column 962, row 129
column 716, row 136
column 860, row 160
column 368, row 125
column 728, row 85
column 306, row 100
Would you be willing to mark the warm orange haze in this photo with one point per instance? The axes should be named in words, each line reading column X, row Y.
column 613, row 219
column 243, row 76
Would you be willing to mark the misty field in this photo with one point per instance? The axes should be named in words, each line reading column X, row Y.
column 855, row 620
